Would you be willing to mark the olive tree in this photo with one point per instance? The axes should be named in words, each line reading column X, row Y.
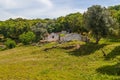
column 98, row 21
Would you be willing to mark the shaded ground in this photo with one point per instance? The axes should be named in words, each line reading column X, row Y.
column 87, row 49
column 114, row 56
column 113, row 53
column 110, row 69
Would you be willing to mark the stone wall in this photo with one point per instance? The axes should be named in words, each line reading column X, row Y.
column 71, row 36
column 52, row 37
column 67, row 37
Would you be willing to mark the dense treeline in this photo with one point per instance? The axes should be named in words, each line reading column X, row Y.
column 96, row 21
column 12, row 28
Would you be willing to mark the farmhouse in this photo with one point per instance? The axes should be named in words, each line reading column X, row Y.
column 52, row 37
column 64, row 37
column 71, row 36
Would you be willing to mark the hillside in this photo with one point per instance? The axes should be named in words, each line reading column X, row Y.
column 54, row 61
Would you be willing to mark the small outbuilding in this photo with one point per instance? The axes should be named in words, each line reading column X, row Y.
column 64, row 37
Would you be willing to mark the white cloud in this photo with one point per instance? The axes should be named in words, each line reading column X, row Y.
column 25, row 8
column 46, row 2
column 34, row 9
column 6, row 4
column 12, row 4
column 45, row 8
column 6, row 15
column 50, row 13
column 57, row 12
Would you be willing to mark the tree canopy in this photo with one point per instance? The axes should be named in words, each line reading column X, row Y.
column 98, row 21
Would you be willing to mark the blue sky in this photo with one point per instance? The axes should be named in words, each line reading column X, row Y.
column 47, row 8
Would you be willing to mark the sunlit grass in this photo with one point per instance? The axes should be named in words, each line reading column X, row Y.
column 61, row 62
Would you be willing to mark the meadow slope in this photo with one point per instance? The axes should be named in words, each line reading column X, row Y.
column 54, row 61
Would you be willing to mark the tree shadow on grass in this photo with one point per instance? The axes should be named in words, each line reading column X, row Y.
column 113, row 53
column 117, row 79
column 86, row 49
column 110, row 70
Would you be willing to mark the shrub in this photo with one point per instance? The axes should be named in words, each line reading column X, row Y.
column 10, row 43
column 26, row 38
column 62, row 35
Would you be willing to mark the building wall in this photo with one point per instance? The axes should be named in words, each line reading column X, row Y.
column 68, row 37
column 52, row 37
column 71, row 36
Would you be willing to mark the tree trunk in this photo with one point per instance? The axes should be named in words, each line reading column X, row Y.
column 97, row 40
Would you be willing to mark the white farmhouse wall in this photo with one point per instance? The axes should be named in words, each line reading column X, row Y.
column 68, row 37
column 72, row 36
column 52, row 37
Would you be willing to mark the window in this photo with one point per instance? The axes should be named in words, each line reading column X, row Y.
column 53, row 37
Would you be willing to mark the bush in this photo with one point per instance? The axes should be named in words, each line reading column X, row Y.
column 10, row 43
column 26, row 38
column 62, row 35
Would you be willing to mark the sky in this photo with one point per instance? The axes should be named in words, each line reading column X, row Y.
column 32, row 9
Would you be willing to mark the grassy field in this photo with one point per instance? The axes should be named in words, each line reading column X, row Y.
column 54, row 61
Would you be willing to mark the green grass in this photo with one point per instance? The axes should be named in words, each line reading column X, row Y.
column 62, row 62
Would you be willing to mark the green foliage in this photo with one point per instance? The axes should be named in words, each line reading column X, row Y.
column 74, row 22
column 12, row 28
column 27, row 38
column 62, row 35
column 116, row 7
column 71, row 23
column 10, row 43
column 98, row 21
column 40, row 30
column 115, row 13
column 117, row 27
column 56, row 25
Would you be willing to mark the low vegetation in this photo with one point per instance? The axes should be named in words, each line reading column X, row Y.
column 27, row 38
column 62, row 62
column 10, row 43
